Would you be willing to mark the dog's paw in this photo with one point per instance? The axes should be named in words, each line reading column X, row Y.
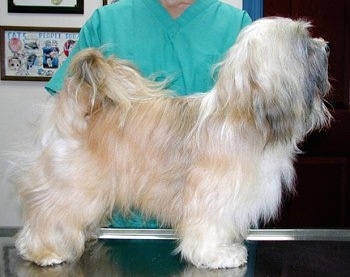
column 220, row 257
column 39, row 256
column 49, row 261
column 42, row 259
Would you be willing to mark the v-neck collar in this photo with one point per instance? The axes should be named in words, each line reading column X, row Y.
column 168, row 21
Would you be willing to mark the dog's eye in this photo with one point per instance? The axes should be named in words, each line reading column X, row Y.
column 328, row 47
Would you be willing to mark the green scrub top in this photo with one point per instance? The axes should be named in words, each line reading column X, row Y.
column 142, row 31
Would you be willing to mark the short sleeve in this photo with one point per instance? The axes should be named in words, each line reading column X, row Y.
column 246, row 19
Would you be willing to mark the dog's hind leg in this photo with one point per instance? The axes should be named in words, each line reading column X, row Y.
column 49, row 245
column 57, row 219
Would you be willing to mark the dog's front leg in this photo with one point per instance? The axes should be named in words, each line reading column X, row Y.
column 208, row 245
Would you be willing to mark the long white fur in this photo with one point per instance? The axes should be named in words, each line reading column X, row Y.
column 210, row 165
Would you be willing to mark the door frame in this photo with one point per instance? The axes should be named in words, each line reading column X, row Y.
column 254, row 8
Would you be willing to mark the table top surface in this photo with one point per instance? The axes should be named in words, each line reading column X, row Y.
column 307, row 254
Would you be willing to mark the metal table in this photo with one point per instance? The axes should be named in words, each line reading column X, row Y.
column 126, row 252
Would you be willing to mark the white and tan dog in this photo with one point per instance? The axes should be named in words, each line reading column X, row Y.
column 210, row 165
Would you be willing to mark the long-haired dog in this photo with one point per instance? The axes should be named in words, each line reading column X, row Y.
column 210, row 165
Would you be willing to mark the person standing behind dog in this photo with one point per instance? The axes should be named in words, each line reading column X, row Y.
column 180, row 40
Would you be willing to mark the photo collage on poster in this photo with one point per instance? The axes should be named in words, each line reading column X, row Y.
column 36, row 53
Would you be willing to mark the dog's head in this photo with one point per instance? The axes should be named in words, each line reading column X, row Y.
column 277, row 76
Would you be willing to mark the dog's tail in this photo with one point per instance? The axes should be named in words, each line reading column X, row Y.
column 110, row 80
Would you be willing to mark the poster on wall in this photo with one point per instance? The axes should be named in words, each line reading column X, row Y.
column 34, row 53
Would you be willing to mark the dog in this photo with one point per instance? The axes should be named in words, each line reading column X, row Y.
column 210, row 165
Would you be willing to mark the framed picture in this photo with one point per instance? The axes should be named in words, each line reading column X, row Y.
column 45, row 6
column 34, row 53
column 107, row 2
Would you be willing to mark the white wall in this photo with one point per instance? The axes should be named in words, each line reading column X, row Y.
column 19, row 101
column 236, row 3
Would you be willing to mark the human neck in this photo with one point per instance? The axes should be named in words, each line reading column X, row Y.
column 176, row 7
